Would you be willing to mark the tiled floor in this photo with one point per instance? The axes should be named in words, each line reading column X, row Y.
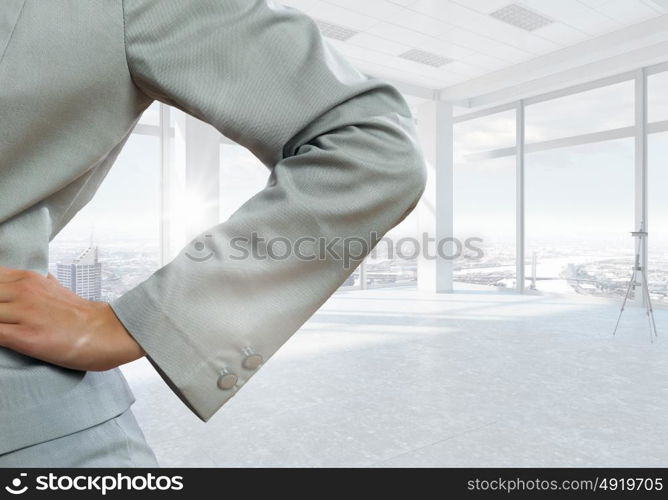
column 397, row 377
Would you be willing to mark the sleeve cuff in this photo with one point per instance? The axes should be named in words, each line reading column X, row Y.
column 202, row 383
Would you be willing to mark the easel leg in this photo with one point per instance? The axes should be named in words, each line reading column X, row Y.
column 626, row 298
column 650, row 311
column 650, row 315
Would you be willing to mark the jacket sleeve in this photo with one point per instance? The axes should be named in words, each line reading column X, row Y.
column 344, row 168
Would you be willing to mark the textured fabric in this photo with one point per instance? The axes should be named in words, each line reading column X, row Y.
column 340, row 149
column 117, row 442
column 67, row 105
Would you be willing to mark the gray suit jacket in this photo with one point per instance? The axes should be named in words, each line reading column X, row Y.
column 340, row 148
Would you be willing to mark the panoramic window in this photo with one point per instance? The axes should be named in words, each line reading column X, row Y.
column 605, row 108
column 579, row 215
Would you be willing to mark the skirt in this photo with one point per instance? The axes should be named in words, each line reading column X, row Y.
column 117, row 442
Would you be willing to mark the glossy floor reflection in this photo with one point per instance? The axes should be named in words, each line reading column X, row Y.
column 402, row 378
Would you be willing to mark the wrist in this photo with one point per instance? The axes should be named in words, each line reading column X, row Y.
column 117, row 346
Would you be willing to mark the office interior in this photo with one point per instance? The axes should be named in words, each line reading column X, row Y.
column 544, row 126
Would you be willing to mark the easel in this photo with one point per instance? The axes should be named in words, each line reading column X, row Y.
column 640, row 271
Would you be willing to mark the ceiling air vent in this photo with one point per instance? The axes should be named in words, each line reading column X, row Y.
column 521, row 17
column 424, row 57
column 335, row 31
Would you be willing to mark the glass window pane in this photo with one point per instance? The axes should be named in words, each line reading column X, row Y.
column 151, row 115
column 242, row 175
column 393, row 262
column 484, row 219
column 122, row 220
column 596, row 110
column 483, row 134
column 657, row 97
column 579, row 213
column 658, row 218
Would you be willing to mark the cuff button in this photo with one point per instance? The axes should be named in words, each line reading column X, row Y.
column 227, row 380
column 252, row 362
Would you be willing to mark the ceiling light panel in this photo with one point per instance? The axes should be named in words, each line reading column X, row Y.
column 335, row 31
column 424, row 57
column 521, row 17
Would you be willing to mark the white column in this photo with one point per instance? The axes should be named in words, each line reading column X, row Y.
column 640, row 198
column 165, row 183
column 435, row 210
column 202, row 176
column 519, row 197
column 363, row 285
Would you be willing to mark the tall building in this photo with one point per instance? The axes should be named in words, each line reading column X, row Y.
column 82, row 275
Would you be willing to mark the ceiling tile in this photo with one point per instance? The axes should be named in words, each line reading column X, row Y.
column 422, row 23
column 593, row 3
column 626, row 11
column 464, row 69
column 378, row 9
column 562, row 34
column 333, row 13
column 486, row 45
column 484, row 6
column 466, row 18
column 485, row 61
column 561, row 10
column 446, row 48
column 399, row 33
column 575, row 14
column 593, row 24
column 402, row 3
column 381, row 44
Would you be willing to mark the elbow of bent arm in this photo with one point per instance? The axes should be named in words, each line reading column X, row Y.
column 402, row 178
column 395, row 193
column 408, row 158
column 414, row 182
column 416, row 177
column 412, row 164
column 412, row 172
